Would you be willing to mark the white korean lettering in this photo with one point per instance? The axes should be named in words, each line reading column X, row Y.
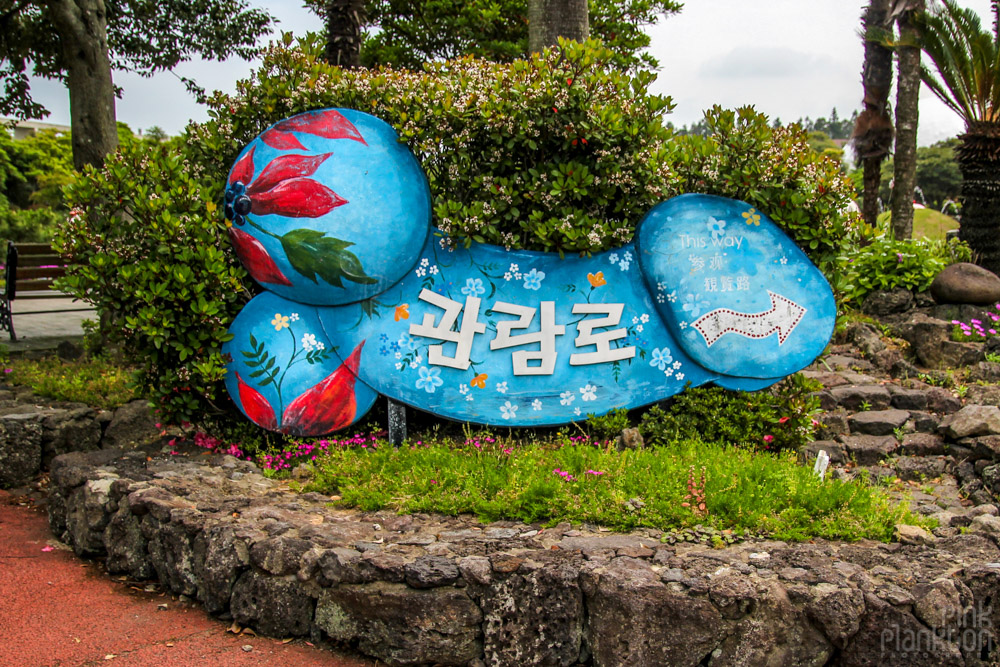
column 545, row 337
column 602, row 341
column 446, row 329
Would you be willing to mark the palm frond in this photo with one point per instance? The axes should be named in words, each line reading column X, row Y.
column 966, row 60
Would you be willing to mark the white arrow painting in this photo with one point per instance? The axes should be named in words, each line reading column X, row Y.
column 782, row 318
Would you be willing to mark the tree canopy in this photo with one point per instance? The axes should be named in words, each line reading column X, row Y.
column 408, row 33
column 80, row 42
column 143, row 36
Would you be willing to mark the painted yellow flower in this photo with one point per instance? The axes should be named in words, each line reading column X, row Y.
column 596, row 279
column 279, row 322
column 752, row 217
column 403, row 312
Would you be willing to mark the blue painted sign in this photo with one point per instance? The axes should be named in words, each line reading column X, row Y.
column 361, row 304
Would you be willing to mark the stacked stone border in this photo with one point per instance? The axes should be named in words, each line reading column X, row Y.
column 421, row 589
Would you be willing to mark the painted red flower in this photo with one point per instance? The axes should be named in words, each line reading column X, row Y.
column 327, row 406
column 282, row 188
column 330, row 124
column 256, row 406
column 255, row 259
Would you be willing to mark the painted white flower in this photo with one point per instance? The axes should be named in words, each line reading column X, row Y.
column 320, row 346
column 294, row 317
column 672, row 297
column 421, row 272
column 669, row 372
column 577, row 411
column 644, row 318
column 507, row 276
column 309, row 341
column 661, row 287
column 639, row 328
column 566, row 398
column 660, row 299
column 783, row 260
column 433, row 270
column 514, row 268
column 635, row 320
column 536, row 404
column 683, row 325
column 613, row 258
column 589, row 392
column 679, row 376
column 468, row 397
column 424, row 261
column 628, row 256
column 502, row 387
column 399, row 365
column 677, row 365
column 414, row 363
column 463, row 388
column 508, row 410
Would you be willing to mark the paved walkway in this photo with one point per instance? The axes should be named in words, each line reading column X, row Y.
column 58, row 610
column 45, row 331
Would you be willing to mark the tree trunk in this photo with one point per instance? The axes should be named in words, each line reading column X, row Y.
column 872, row 135
column 82, row 29
column 979, row 159
column 548, row 20
column 343, row 32
column 907, row 98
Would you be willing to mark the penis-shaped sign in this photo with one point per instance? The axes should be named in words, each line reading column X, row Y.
column 331, row 216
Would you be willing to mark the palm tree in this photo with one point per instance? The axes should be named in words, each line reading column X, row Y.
column 967, row 59
column 872, row 136
column 907, row 96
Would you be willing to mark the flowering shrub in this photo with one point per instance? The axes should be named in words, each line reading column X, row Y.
column 886, row 264
column 978, row 330
column 774, row 170
column 775, row 419
column 149, row 248
column 559, row 152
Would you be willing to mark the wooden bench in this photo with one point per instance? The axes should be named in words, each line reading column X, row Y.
column 30, row 271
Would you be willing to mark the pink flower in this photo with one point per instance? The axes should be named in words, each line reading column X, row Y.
column 783, row 420
column 769, row 439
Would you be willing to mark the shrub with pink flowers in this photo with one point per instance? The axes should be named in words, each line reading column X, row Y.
column 978, row 329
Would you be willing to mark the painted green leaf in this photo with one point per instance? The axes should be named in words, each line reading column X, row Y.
column 313, row 253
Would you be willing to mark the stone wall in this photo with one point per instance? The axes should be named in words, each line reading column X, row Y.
column 34, row 430
column 421, row 589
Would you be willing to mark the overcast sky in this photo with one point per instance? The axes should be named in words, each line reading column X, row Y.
column 788, row 58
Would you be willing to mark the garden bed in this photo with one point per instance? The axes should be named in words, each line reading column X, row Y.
column 423, row 589
column 426, row 588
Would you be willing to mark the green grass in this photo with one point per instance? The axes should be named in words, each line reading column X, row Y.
column 927, row 222
column 759, row 493
column 96, row 382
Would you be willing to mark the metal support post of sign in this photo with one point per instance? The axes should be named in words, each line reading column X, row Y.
column 397, row 423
